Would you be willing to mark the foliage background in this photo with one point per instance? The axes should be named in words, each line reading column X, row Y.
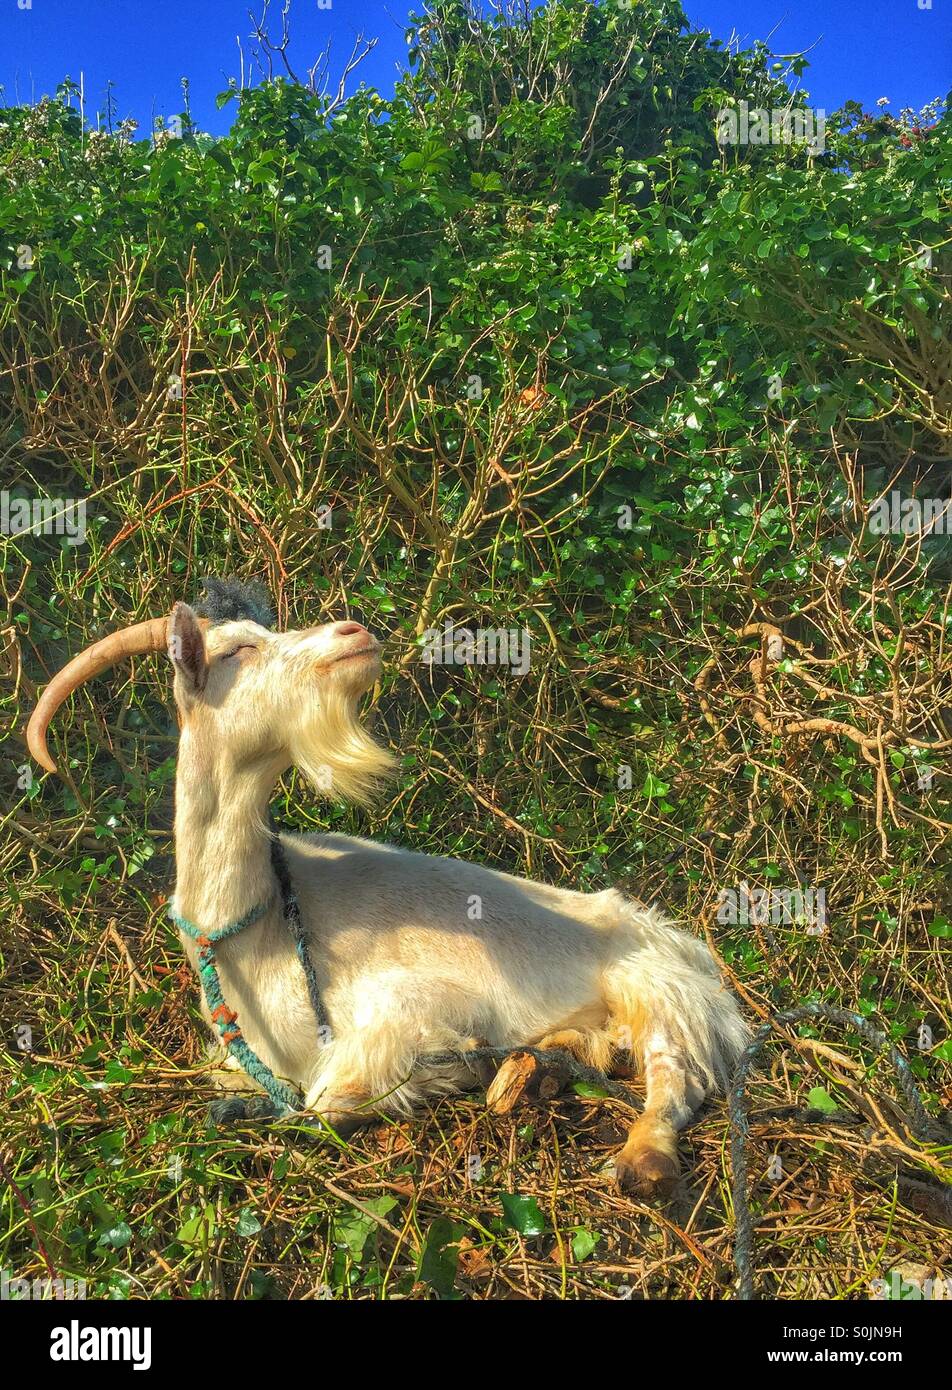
column 530, row 388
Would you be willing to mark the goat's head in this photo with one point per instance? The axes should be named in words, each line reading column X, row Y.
column 251, row 700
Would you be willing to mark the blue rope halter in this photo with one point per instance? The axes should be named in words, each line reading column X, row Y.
column 286, row 1099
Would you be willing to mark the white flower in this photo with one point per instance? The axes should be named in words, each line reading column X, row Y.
column 883, row 101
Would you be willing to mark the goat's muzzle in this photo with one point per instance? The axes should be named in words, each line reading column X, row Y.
column 151, row 636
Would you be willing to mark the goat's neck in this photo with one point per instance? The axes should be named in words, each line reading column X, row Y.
column 222, row 845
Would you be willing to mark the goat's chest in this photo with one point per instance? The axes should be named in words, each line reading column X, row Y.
column 261, row 979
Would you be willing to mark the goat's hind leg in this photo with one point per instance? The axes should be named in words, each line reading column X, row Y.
column 648, row 1164
column 668, row 1005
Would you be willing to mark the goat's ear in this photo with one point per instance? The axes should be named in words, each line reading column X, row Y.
column 187, row 649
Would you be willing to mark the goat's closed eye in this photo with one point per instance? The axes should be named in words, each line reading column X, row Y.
column 245, row 647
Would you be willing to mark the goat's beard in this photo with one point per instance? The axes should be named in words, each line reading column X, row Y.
column 337, row 755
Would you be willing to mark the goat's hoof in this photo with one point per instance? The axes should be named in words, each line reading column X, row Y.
column 647, row 1174
column 521, row 1078
column 231, row 1110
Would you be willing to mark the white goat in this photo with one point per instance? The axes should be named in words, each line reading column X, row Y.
column 413, row 953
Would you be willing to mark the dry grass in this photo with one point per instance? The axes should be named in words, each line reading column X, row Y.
column 354, row 1219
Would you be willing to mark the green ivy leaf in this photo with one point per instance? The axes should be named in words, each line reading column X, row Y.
column 248, row 1224
column 439, row 1256
column 523, row 1214
column 820, row 1099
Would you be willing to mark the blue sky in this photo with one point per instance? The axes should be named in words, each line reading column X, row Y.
column 861, row 48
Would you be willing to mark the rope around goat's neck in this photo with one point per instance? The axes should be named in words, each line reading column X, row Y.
column 292, row 915
column 285, row 1099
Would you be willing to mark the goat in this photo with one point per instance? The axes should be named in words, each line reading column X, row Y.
column 414, row 953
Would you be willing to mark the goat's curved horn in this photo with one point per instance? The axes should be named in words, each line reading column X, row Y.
column 151, row 636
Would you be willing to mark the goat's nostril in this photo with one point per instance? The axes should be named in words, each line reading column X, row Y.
column 347, row 629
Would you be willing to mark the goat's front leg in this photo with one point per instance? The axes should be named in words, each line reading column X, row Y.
column 342, row 1101
column 346, row 1096
column 241, row 1099
column 648, row 1164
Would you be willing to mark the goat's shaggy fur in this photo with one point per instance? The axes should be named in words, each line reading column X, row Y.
column 228, row 600
column 414, row 953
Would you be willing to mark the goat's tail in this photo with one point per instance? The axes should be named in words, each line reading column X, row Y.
column 663, row 982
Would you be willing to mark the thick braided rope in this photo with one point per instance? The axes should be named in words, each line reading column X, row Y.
column 923, row 1126
column 284, row 1098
